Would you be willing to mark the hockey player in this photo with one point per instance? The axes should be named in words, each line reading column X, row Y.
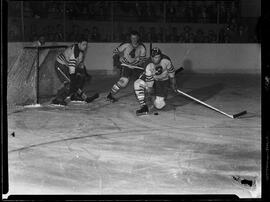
column 127, row 57
column 71, row 71
column 159, row 74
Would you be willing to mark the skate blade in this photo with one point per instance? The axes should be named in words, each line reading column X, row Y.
column 77, row 101
column 56, row 105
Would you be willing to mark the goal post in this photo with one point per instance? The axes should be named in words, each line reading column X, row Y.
column 38, row 49
column 32, row 74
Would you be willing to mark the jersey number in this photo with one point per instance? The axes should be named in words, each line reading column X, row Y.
column 132, row 53
column 158, row 70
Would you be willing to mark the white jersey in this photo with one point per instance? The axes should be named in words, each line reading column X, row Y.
column 158, row 72
column 131, row 55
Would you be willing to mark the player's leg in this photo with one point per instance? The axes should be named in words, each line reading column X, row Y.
column 121, row 83
column 139, row 88
column 161, row 91
column 117, row 64
column 77, row 85
column 81, row 77
column 63, row 91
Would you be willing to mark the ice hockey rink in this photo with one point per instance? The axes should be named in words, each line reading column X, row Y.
column 104, row 148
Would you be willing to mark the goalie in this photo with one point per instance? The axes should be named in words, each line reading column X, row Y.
column 71, row 71
column 159, row 74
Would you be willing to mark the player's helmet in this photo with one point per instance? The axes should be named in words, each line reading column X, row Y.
column 155, row 51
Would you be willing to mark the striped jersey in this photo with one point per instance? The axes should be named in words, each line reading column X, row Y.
column 130, row 55
column 159, row 72
column 71, row 56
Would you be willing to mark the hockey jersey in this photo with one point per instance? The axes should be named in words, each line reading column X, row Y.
column 159, row 72
column 71, row 57
column 130, row 55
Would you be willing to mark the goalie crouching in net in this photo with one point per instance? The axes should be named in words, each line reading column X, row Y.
column 71, row 71
column 159, row 74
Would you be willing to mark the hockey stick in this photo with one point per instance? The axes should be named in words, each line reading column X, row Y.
column 136, row 67
column 209, row 106
column 132, row 66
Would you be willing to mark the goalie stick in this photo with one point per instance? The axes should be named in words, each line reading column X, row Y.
column 211, row 107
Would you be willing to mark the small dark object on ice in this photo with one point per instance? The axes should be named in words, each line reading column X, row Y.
column 13, row 134
column 156, row 113
column 243, row 181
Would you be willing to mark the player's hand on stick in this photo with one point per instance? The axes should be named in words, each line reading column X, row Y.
column 123, row 60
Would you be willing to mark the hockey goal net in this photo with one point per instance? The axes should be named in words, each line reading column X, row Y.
column 32, row 78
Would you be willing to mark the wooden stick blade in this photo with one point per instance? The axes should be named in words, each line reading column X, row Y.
column 239, row 114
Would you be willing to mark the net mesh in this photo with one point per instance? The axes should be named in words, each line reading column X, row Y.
column 23, row 82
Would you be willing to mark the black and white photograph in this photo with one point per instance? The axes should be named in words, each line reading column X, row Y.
column 134, row 98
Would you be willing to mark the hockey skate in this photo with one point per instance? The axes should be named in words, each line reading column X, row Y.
column 142, row 111
column 76, row 97
column 58, row 102
column 111, row 98
column 90, row 99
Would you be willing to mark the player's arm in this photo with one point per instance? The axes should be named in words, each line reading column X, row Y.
column 117, row 52
column 119, row 49
column 171, row 74
column 80, row 62
column 71, row 61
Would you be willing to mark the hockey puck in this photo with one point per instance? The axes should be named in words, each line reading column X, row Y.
column 156, row 113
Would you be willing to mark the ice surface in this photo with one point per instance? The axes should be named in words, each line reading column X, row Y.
column 104, row 148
